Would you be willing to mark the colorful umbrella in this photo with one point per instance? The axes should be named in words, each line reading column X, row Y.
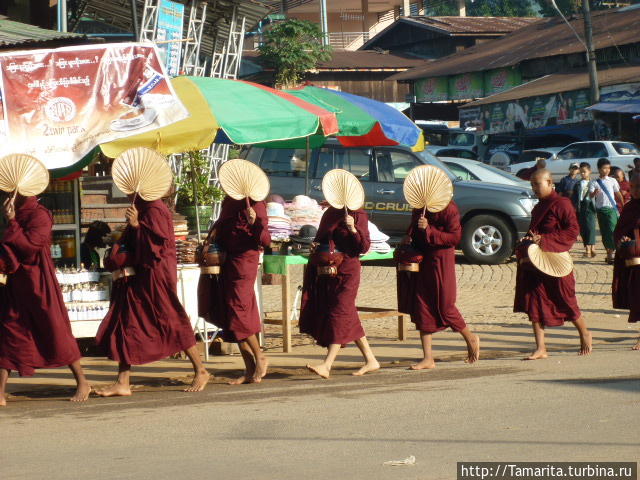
column 232, row 111
column 363, row 122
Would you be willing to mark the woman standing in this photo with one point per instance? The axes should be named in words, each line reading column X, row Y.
column 618, row 174
column 586, row 209
column 328, row 311
column 227, row 299
column 94, row 246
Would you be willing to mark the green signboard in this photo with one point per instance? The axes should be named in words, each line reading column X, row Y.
column 431, row 89
column 466, row 86
column 501, row 79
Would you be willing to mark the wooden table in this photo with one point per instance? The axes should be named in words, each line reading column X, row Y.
column 279, row 265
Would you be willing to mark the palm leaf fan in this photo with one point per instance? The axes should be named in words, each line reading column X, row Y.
column 554, row 264
column 143, row 172
column 242, row 179
column 342, row 189
column 428, row 187
column 23, row 174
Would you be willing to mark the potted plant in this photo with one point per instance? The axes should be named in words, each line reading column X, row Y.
column 194, row 188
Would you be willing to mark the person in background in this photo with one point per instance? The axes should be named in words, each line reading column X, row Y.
column 565, row 188
column 586, row 209
column 541, row 164
column 604, row 191
column 95, row 243
column 623, row 184
column 635, row 169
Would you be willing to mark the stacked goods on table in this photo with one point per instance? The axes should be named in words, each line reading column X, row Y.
column 186, row 250
column 279, row 223
column 85, row 295
column 180, row 228
column 378, row 240
column 303, row 211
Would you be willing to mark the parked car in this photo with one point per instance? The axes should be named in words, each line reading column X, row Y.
column 526, row 156
column 474, row 170
column 447, row 151
column 493, row 216
column 620, row 154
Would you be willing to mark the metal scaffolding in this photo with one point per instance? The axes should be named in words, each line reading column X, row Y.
column 191, row 57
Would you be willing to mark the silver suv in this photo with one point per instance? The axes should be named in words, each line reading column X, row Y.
column 493, row 216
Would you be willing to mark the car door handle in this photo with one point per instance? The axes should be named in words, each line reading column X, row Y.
column 382, row 191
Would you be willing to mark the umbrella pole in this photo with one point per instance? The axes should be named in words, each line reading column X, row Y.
column 306, row 168
column 195, row 197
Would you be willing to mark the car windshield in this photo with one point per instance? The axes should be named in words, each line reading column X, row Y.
column 531, row 155
column 626, row 148
column 502, row 173
column 433, row 160
column 462, row 139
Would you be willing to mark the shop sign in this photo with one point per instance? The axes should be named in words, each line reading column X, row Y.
column 169, row 34
column 58, row 104
column 431, row 89
column 500, row 80
column 466, row 86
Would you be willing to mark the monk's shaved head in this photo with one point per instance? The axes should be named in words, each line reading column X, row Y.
column 542, row 183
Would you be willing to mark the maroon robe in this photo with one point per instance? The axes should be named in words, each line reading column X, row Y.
column 625, row 188
column 146, row 321
column 626, row 280
column 429, row 295
column 328, row 312
column 546, row 299
column 228, row 300
column 35, row 331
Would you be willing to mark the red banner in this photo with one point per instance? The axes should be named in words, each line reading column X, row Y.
column 58, row 104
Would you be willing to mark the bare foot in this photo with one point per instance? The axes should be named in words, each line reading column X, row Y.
column 473, row 350
column 82, row 393
column 367, row 367
column 585, row 344
column 115, row 390
column 423, row 364
column 537, row 355
column 3, row 401
column 636, row 346
column 261, row 370
column 320, row 370
column 240, row 380
column 200, row 381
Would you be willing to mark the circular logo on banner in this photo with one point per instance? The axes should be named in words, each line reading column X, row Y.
column 60, row 109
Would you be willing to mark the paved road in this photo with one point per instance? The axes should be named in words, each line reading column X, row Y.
column 567, row 408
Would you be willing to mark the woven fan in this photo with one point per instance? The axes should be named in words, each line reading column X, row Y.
column 342, row 189
column 242, row 179
column 142, row 171
column 429, row 188
column 553, row 264
column 23, row 174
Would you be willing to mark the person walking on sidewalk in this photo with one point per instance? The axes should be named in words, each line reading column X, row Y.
column 429, row 295
column 548, row 300
column 605, row 190
column 586, row 209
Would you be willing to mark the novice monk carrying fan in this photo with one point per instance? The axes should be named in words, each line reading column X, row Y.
column 549, row 300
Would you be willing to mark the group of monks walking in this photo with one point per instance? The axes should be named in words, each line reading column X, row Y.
column 146, row 321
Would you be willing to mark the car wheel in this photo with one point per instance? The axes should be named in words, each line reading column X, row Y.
column 486, row 239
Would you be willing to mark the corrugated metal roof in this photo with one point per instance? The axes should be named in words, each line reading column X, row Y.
column 455, row 26
column 118, row 14
column 545, row 38
column 16, row 34
column 562, row 82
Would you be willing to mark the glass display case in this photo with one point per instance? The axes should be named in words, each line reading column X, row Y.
column 62, row 198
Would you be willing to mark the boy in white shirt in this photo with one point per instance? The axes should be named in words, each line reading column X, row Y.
column 604, row 192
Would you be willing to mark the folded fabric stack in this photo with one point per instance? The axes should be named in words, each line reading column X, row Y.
column 180, row 228
column 378, row 240
column 303, row 211
column 186, row 250
column 279, row 222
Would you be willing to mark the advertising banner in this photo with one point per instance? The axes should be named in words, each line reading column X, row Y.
column 432, row 89
column 58, row 104
column 170, row 21
column 500, row 80
column 466, row 86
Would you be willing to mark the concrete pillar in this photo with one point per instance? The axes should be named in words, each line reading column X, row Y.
column 462, row 8
column 406, row 8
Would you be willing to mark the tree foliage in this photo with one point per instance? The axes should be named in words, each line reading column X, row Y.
column 292, row 48
column 483, row 8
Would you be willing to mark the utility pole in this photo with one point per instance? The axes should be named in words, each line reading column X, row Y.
column 591, row 52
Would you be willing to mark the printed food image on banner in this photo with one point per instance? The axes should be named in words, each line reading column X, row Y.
column 59, row 104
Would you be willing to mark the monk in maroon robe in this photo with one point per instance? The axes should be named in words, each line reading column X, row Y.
column 328, row 312
column 146, row 321
column 549, row 301
column 626, row 280
column 429, row 295
column 228, row 299
column 35, row 331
